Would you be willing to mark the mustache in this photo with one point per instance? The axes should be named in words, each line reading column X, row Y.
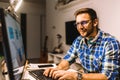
column 83, row 29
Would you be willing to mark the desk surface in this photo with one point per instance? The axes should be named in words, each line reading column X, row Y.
column 32, row 66
column 26, row 75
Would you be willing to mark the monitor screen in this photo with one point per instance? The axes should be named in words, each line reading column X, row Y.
column 12, row 44
column 71, row 32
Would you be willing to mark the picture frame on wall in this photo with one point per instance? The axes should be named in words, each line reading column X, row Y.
column 60, row 3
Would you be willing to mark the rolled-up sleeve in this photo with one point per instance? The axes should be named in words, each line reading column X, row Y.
column 71, row 54
column 111, row 60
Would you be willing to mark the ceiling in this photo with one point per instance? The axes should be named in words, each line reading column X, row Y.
column 33, row 1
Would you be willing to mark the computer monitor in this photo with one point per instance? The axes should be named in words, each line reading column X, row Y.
column 12, row 43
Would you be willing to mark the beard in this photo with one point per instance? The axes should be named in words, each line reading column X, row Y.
column 86, row 32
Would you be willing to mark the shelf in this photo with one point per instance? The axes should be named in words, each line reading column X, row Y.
column 56, row 58
column 70, row 4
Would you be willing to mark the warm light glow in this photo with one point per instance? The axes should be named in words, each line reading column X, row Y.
column 15, row 4
column 11, row 1
column 18, row 5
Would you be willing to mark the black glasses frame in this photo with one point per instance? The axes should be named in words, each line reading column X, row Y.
column 82, row 23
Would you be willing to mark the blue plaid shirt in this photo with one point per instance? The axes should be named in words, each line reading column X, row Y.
column 100, row 55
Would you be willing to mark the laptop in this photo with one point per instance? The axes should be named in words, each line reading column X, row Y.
column 13, row 48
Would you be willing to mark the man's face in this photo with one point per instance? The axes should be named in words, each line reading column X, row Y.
column 85, row 25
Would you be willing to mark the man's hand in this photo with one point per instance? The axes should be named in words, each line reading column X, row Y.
column 49, row 71
column 52, row 72
column 64, row 75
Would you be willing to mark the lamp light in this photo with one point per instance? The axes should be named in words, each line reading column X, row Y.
column 16, row 4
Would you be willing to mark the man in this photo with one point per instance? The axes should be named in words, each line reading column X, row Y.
column 98, row 52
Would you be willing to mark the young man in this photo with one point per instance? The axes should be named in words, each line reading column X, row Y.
column 98, row 52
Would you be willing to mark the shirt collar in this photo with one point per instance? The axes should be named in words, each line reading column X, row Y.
column 97, row 38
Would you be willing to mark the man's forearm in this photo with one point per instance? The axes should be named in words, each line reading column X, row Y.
column 94, row 76
column 63, row 65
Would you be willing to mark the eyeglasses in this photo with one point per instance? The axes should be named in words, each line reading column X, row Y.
column 82, row 23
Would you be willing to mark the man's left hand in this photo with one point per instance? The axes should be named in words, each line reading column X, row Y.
column 64, row 75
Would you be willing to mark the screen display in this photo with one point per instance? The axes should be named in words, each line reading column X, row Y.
column 15, row 43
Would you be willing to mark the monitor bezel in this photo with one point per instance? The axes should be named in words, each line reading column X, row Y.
column 5, row 43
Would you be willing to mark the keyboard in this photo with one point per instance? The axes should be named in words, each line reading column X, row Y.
column 38, row 75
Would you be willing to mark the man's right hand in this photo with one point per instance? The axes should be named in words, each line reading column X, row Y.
column 49, row 71
column 63, row 65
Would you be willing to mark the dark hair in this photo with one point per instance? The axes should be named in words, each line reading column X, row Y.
column 90, row 11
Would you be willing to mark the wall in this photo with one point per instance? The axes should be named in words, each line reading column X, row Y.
column 108, row 13
column 34, row 13
column 3, row 5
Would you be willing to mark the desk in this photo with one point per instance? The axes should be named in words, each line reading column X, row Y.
column 26, row 75
column 33, row 66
